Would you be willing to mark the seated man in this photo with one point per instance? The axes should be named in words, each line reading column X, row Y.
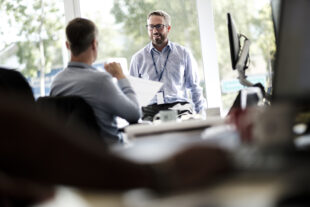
column 97, row 88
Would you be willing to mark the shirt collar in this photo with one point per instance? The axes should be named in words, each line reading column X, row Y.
column 79, row 65
column 151, row 46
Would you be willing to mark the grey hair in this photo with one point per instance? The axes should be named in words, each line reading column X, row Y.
column 161, row 13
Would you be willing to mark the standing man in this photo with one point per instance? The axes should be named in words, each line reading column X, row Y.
column 170, row 63
column 107, row 99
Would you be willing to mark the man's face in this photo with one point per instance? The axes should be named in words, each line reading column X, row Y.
column 158, row 36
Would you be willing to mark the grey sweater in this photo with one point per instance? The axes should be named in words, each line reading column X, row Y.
column 107, row 98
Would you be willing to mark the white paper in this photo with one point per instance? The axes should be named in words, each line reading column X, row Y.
column 145, row 89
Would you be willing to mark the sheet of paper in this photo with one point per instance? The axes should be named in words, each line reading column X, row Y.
column 145, row 89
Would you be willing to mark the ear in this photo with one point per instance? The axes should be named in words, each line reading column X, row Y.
column 169, row 27
column 67, row 45
column 94, row 44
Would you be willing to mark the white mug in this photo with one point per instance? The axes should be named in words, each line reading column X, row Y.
column 166, row 115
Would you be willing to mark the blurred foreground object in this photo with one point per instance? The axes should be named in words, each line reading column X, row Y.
column 270, row 125
column 40, row 150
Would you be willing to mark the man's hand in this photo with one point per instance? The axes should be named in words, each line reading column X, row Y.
column 115, row 70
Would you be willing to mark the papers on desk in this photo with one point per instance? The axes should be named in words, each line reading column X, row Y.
column 140, row 130
column 145, row 89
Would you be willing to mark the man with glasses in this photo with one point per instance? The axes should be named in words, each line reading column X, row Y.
column 164, row 61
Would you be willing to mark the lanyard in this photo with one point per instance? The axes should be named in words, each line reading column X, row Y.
column 160, row 75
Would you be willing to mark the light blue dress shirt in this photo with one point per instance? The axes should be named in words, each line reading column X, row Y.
column 178, row 73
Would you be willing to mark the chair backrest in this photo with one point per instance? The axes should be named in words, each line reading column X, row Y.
column 14, row 84
column 73, row 109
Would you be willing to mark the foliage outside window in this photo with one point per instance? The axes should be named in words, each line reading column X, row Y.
column 31, row 36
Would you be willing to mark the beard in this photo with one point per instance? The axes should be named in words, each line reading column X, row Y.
column 158, row 39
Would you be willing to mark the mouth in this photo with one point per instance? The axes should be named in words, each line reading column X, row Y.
column 157, row 38
column 156, row 35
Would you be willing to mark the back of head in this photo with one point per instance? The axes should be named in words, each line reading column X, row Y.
column 80, row 33
column 161, row 13
column 14, row 85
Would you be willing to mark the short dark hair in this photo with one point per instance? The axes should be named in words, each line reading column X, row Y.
column 161, row 13
column 80, row 34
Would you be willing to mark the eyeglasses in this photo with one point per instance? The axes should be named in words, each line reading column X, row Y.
column 157, row 26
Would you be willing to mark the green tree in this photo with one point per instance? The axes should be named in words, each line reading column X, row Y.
column 38, row 23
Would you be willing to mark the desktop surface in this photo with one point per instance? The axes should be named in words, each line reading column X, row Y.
column 259, row 187
column 142, row 130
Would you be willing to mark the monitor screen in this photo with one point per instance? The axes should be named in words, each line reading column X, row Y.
column 292, row 69
column 233, row 41
column 239, row 47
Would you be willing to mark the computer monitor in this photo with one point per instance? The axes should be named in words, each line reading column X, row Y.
column 239, row 52
column 276, row 11
column 233, row 41
column 292, row 68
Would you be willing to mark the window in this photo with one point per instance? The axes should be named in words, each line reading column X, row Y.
column 32, row 39
column 122, row 32
column 253, row 19
column 122, row 29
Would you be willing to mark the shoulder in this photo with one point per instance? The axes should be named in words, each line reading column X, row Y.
column 91, row 75
column 97, row 80
column 100, row 75
column 60, row 74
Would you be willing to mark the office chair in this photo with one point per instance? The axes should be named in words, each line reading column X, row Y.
column 74, row 110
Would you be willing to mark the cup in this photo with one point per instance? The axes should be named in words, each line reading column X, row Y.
column 166, row 115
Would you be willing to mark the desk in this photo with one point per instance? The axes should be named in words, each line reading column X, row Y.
column 236, row 191
column 260, row 188
column 259, row 185
column 141, row 130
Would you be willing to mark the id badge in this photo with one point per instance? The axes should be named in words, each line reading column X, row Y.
column 160, row 97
